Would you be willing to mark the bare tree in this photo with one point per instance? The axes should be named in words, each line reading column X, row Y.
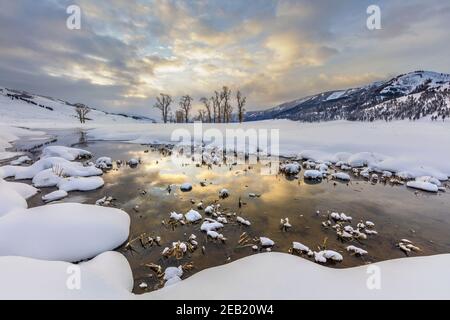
column 202, row 116
column 240, row 104
column 163, row 104
column 81, row 111
column 186, row 106
column 179, row 116
column 207, row 105
column 217, row 103
column 227, row 109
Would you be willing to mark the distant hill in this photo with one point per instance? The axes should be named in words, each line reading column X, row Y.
column 411, row 96
column 22, row 105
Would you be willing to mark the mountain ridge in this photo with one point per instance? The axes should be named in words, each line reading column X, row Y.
column 412, row 96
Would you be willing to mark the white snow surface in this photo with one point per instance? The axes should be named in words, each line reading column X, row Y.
column 107, row 276
column 64, row 232
column 407, row 278
column 67, row 153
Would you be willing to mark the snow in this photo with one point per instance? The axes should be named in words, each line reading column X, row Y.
column 55, row 195
column 171, row 272
column 20, row 160
column 291, row 168
column 67, row 153
column 176, row 216
column 186, row 187
column 422, row 185
column 224, row 193
column 65, row 232
column 64, row 166
column 341, row 176
column 18, row 112
column 313, row 174
column 335, row 95
column 211, row 226
column 243, row 221
column 103, row 161
column 300, row 247
column 80, row 183
column 10, row 200
column 356, row 250
column 107, row 276
column 407, row 278
column 24, row 190
column 266, row 242
column 133, row 162
column 193, row 216
column 323, row 256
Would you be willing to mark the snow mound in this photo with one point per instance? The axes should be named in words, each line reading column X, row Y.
column 67, row 232
column 406, row 278
column 313, row 175
column 80, row 183
column 107, row 276
column 60, row 166
column 67, row 153
column 55, row 195
column 423, row 185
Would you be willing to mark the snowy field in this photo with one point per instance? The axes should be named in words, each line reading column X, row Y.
column 38, row 245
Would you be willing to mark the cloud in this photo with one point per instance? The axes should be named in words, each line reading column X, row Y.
column 129, row 51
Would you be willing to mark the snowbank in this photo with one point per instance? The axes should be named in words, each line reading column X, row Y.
column 292, row 277
column 66, row 232
column 107, row 276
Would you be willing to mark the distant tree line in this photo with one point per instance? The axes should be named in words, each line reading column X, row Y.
column 216, row 109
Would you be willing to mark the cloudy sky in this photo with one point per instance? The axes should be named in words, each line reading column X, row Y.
column 128, row 51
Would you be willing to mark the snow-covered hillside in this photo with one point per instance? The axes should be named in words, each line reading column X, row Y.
column 382, row 100
column 21, row 106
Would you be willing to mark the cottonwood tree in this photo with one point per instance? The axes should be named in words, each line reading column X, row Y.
column 207, row 105
column 217, row 104
column 227, row 109
column 179, row 116
column 186, row 106
column 240, row 104
column 81, row 111
column 163, row 103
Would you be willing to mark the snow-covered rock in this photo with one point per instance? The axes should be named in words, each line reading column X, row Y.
column 266, row 242
column 313, row 175
column 243, row 221
column 176, row 216
column 422, row 185
column 341, row 176
column 356, row 250
column 103, row 162
column 224, row 193
column 193, row 216
column 211, row 226
column 186, row 187
column 290, row 168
